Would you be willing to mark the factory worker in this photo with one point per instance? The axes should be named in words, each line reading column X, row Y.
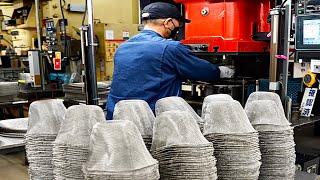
column 151, row 65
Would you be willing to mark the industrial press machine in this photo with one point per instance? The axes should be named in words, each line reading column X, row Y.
column 225, row 33
column 273, row 46
column 227, row 26
column 256, row 38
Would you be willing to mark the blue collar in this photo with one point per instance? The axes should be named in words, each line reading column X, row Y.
column 151, row 32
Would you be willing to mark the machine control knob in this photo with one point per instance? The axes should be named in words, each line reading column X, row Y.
column 310, row 79
column 205, row 11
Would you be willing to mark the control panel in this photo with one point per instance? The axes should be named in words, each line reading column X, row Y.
column 51, row 34
column 307, row 30
column 307, row 7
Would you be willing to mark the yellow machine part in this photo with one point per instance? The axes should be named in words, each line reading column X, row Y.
column 310, row 79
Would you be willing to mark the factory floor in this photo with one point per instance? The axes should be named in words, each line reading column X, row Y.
column 12, row 167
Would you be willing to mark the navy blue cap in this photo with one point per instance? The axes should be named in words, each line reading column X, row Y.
column 160, row 10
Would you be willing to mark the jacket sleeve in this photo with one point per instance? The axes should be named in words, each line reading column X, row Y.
column 188, row 65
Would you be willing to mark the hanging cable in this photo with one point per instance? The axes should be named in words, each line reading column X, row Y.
column 61, row 8
column 65, row 33
column 9, row 42
column 282, row 4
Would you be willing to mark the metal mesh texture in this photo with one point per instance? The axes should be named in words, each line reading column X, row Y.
column 137, row 111
column 181, row 149
column 45, row 118
column 275, row 137
column 176, row 128
column 9, row 88
column 215, row 98
column 176, row 103
column 71, row 147
column 265, row 116
column 77, row 90
column 235, row 141
column 14, row 125
column 255, row 96
column 226, row 117
column 76, row 128
column 117, row 151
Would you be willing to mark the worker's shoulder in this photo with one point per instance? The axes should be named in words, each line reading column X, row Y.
column 172, row 43
column 175, row 45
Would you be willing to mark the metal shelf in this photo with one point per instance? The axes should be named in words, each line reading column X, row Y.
column 305, row 121
column 11, row 144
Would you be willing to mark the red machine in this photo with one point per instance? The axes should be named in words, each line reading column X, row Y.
column 227, row 26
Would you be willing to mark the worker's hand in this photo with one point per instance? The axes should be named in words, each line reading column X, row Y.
column 226, row 72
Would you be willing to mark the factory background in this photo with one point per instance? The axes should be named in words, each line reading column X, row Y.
column 57, row 60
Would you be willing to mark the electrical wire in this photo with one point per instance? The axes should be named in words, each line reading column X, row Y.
column 9, row 42
column 282, row 4
column 10, row 45
column 61, row 8
column 65, row 33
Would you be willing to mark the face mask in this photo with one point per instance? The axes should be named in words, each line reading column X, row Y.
column 174, row 32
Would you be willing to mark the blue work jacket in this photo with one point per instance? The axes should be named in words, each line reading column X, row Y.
column 150, row 67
